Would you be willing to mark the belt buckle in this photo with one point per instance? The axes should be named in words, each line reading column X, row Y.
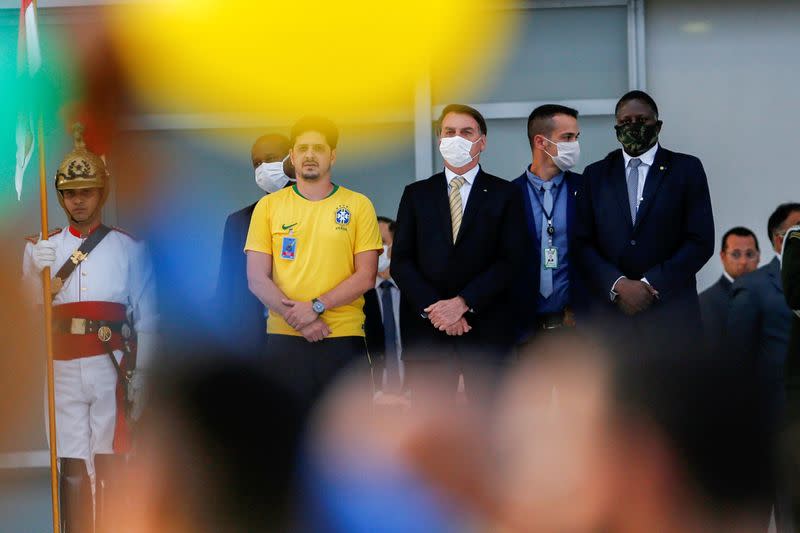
column 77, row 326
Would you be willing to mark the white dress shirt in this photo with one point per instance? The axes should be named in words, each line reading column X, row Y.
column 395, row 292
column 469, row 178
column 646, row 159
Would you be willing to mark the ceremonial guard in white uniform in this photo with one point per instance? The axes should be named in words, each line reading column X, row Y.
column 104, row 324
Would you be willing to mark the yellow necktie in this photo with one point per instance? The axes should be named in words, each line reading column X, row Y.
column 456, row 209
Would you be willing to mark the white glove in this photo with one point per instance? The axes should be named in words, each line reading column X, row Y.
column 145, row 352
column 137, row 393
column 44, row 254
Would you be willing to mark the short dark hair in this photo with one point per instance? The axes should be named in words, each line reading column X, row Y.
column 637, row 95
column 779, row 216
column 386, row 220
column 320, row 124
column 462, row 109
column 739, row 231
column 540, row 121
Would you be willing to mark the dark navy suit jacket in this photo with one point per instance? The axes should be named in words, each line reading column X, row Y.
column 759, row 324
column 482, row 266
column 577, row 288
column 672, row 239
column 714, row 303
column 241, row 314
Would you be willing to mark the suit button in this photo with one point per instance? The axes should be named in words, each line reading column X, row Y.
column 633, row 243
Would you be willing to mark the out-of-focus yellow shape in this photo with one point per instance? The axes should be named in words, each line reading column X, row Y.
column 348, row 59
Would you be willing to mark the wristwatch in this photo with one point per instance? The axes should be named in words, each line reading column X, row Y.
column 317, row 306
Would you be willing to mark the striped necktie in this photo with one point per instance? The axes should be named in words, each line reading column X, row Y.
column 456, row 209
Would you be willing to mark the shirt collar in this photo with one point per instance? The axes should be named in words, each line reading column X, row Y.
column 536, row 181
column 468, row 176
column 646, row 158
column 80, row 235
column 727, row 276
column 379, row 280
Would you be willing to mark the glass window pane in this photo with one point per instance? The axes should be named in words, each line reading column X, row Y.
column 556, row 54
column 508, row 151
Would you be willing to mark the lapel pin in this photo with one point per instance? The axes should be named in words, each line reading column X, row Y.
column 662, row 168
column 484, row 190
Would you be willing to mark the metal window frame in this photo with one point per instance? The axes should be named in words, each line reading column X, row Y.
column 425, row 111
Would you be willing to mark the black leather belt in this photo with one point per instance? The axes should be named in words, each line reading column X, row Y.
column 549, row 321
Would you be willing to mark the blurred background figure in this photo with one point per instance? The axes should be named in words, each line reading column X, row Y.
column 739, row 255
column 589, row 441
column 387, row 314
column 759, row 320
column 790, row 273
column 242, row 316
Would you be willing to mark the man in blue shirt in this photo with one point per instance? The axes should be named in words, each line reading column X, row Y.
column 551, row 290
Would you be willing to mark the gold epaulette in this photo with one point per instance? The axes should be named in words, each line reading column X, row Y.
column 33, row 239
column 132, row 236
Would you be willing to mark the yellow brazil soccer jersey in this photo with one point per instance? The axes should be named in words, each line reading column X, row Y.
column 312, row 245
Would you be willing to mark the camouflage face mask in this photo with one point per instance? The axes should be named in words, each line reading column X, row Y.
column 637, row 137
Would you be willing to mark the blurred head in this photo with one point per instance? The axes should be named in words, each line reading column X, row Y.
column 216, row 449
column 458, row 120
column 548, row 125
column 740, row 253
column 637, row 120
column 593, row 440
column 313, row 148
column 783, row 218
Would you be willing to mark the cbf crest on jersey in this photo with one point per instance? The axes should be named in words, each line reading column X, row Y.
column 343, row 216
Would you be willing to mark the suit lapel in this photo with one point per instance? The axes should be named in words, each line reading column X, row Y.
column 526, row 201
column 441, row 201
column 617, row 170
column 477, row 196
column 655, row 176
column 774, row 272
column 572, row 193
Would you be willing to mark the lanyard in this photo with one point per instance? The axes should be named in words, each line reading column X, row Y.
column 535, row 194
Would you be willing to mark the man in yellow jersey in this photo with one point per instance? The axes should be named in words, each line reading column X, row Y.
column 312, row 252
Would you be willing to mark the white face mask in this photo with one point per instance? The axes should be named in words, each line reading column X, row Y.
column 568, row 154
column 270, row 176
column 383, row 260
column 455, row 150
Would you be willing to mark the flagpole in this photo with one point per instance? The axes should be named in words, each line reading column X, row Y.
column 48, row 325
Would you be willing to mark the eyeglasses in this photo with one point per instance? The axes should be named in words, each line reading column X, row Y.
column 749, row 254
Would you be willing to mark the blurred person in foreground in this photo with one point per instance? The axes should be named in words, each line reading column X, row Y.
column 312, row 253
column 213, row 463
column 242, row 315
column 590, row 441
column 104, row 326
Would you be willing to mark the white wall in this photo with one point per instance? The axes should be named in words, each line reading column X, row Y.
column 725, row 75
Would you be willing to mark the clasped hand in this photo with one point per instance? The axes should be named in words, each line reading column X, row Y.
column 448, row 316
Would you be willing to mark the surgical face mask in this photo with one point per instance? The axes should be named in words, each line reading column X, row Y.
column 383, row 260
column 270, row 176
column 456, row 150
column 568, row 154
column 637, row 137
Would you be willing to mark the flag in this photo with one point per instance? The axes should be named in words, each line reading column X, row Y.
column 29, row 60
